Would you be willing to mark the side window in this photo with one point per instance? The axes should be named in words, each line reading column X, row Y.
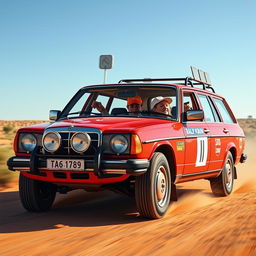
column 173, row 107
column 189, row 102
column 226, row 116
column 216, row 115
column 208, row 114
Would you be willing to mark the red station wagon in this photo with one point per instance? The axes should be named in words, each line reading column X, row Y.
column 144, row 153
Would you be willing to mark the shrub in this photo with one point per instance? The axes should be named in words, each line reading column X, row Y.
column 5, row 175
column 7, row 128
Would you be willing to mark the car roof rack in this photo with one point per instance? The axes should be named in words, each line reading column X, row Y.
column 199, row 78
column 202, row 78
column 150, row 80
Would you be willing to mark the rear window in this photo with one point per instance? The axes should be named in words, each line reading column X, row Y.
column 226, row 116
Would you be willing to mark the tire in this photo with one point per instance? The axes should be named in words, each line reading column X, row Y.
column 36, row 196
column 153, row 189
column 223, row 184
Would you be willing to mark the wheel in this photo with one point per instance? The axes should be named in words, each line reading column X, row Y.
column 36, row 196
column 153, row 189
column 223, row 184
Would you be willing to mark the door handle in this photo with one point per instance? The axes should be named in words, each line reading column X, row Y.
column 225, row 130
column 206, row 130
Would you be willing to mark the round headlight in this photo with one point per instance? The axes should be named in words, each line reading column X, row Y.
column 80, row 142
column 28, row 142
column 51, row 141
column 119, row 144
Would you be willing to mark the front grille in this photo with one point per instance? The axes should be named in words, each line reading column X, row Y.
column 67, row 132
column 82, row 176
column 38, row 173
column 60, row 175
column 66, row 148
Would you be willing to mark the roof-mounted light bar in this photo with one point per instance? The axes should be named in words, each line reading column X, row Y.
column 200, row 76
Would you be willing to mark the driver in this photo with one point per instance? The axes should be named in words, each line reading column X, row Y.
column 134, row 105
column 161, row 105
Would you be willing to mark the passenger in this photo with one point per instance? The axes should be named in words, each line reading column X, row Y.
column 161, row 105
column 187, row 106
column 134, row 105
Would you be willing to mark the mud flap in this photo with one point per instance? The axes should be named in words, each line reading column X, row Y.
column 173, row 192
column 235, row 173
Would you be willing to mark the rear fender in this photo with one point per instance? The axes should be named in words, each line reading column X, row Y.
column 231, row 147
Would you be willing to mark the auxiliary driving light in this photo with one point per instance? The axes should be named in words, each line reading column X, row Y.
column 51, row 141
column 80, row 142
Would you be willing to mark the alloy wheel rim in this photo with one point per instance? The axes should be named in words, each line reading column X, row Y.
column 228, row 174
column 162, row 186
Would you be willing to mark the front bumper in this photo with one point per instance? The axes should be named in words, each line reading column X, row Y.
column 36, row 164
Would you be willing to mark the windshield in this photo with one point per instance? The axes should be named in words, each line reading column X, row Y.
column 123, row 101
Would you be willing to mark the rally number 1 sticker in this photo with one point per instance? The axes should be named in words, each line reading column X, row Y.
column 202, row 151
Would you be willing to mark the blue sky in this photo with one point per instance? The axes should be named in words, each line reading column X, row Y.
column 50, row 49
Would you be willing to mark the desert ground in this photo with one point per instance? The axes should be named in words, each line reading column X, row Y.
column 104, row 223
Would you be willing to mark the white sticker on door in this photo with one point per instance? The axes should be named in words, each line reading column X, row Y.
column 202, row 151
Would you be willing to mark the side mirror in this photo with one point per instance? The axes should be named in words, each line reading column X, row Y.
column 194, row 115
column 54, row 114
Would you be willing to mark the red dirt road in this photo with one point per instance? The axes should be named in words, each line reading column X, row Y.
column 105, row 223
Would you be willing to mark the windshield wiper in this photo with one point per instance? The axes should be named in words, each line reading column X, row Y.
column 74, row 113
column 82, row 114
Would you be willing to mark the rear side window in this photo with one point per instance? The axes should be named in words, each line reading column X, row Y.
column 209, row 117
column 216, row 115
column 226, row 116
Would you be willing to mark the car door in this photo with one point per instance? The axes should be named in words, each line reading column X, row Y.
column 230, row 134
column 217, row 134
column 197, row 143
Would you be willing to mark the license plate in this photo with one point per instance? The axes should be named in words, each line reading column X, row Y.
column 65, row 164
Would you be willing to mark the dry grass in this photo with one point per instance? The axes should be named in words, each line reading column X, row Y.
column 8, row 130
column 249, row 126
column 6, row 137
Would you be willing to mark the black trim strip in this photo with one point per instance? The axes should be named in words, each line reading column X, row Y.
column 189, row 137
column 170, row 138
column 196, row 173
column 203, row 144
column 235, row 136
column 201, row 151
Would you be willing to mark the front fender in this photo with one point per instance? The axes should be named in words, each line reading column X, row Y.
column 158, row 144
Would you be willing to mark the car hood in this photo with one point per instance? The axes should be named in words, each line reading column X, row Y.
column 147, row 128
column 111, row 123
column 35, row 128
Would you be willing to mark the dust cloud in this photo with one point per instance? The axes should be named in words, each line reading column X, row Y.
column 195, row 194
column 104, row 223
column 246, row 173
